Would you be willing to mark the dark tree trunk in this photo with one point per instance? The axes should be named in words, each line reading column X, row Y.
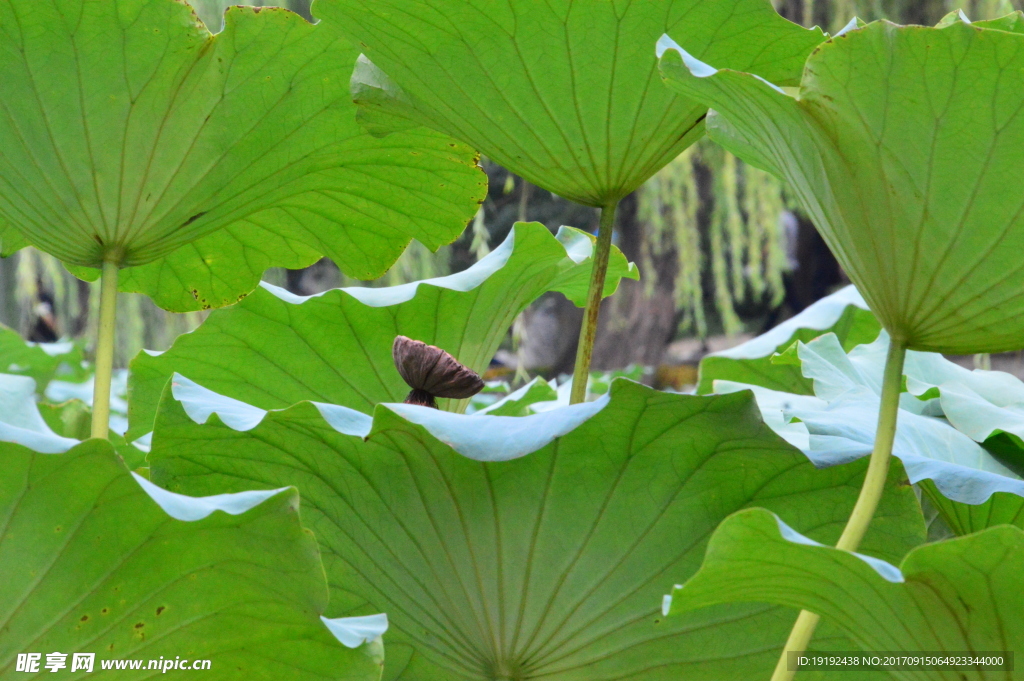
column 9, row 313
column 551, row 328
column 817, row 273
column 80, row 321
column 636, row 324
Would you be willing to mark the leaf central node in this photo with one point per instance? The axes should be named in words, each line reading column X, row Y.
column 505, row 670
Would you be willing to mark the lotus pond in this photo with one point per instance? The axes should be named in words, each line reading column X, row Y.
column 323, row 487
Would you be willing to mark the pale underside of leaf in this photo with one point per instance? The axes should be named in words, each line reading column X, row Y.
column 843, row 313
column 958, row 431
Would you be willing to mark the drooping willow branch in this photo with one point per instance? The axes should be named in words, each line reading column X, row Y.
column 731, row 233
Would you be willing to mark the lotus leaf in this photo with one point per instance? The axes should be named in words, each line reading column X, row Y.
column 274, row 349
column 40, row 361
column 563, row 93
column 133, row 136
column 95, row 561
column 958, row 595
column 884, row 147
column 843, row 313
column 528, row 547
column 520, row 402
column 955, row 433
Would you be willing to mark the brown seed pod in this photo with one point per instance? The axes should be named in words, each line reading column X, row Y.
column 431, row 373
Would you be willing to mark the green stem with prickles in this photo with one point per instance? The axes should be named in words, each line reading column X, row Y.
column 867, row 502
column 589, row 329
column 105, row 351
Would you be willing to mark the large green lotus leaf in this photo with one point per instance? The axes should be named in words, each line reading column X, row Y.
column 131, row 133
column 843, row 313
column 958, row 595
column 95, row 561
column 884, row 148
column 418, row 184
column 563, row 93
column 973, row 486
column 40, row 361
column 275, row 349
column 529, row 547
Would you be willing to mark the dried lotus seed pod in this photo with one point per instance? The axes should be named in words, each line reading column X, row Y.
column 431, row 373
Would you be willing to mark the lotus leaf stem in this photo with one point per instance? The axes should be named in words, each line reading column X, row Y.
column 105, row 351
column 588, row 331
column 867, row 502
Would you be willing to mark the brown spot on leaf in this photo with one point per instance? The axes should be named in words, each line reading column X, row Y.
column 84, row 618
column 139, row 625
column 193, row 218
column 160, row 609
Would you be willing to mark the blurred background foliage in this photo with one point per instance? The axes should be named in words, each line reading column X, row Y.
column 721, row 251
